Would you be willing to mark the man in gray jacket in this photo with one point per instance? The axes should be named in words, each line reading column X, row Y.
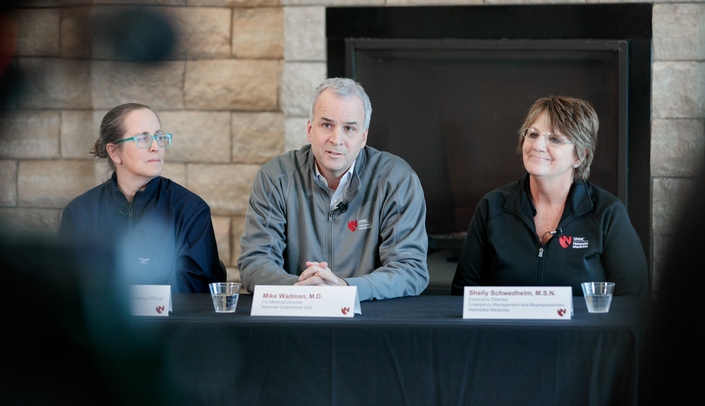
column 337, row 212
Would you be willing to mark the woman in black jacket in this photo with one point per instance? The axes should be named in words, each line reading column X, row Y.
column 552, row 227
column 161, row 232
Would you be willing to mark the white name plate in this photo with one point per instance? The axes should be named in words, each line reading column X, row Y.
column 518, row 302
column 307, row 301
column 150, row 300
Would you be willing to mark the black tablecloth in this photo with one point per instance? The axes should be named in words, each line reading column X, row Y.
column 406, row 351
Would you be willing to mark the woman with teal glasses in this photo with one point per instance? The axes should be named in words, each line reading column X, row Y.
column 161, row 232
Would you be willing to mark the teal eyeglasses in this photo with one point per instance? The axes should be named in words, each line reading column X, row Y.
column 145, row 140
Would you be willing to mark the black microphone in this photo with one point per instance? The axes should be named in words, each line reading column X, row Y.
column 558, row 231
column 343, row 207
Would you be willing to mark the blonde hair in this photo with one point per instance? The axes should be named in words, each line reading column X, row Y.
column 576, row 119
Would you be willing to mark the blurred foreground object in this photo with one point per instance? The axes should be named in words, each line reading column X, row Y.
column 678, row 343
column 12, row 82
column 70, row 341
column 136, row 34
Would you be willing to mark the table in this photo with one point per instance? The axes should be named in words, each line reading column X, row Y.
column 405, row 351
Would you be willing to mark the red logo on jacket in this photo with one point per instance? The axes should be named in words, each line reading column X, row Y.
column 565, row 241
column 352, row 225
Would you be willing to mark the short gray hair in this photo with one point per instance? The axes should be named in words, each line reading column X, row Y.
column 343, row 87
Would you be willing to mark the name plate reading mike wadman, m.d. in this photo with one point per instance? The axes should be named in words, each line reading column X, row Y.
column 518, row 302
column 305, row 301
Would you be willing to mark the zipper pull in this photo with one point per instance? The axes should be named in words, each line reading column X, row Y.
column 130, row 216
column 541, row 252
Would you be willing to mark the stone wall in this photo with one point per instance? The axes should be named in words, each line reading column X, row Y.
column 235, row 92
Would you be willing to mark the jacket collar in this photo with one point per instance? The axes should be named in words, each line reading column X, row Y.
column 360, row 163
column 142, row 197
column 354, row 184
column 519, row 201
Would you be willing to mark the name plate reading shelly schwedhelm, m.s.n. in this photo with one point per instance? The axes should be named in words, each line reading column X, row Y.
column 518, row 302
column 306, row 301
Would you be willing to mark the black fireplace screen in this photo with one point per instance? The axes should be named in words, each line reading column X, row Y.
column 450, row 86
column 452, row 109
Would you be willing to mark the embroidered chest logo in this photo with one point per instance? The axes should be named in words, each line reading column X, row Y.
column 580, row 242
column 567, row 241
column 143, row 261
column 355, row 225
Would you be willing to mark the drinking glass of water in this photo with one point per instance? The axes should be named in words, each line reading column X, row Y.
column 225, row 295
column 598, row 296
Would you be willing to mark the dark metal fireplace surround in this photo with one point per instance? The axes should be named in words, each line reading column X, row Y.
column 450, row 87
